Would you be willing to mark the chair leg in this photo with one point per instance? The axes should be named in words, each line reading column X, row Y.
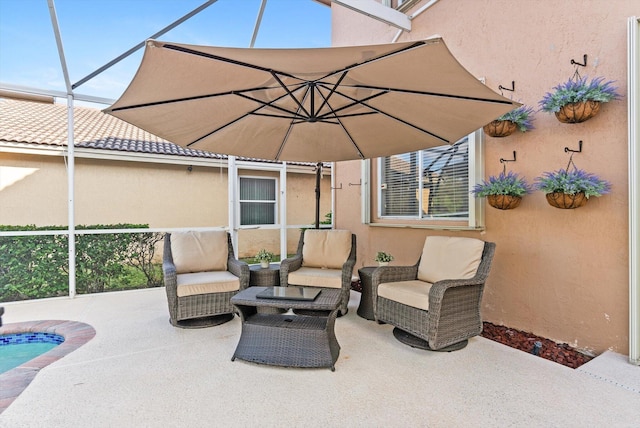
column 416, row 342
column 202, row 322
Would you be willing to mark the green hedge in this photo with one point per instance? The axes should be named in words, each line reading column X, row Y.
column 34, row 267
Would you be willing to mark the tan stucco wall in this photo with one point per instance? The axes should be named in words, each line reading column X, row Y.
column 33, row 190
column 562, row 274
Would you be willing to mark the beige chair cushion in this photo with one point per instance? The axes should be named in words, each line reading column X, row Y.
column 413, row 293
column 199, row 251
column 447, row 257
column 190, row 284
column 326, row 248
column 316, row 277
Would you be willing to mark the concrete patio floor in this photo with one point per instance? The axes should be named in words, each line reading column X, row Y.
column 139, row 371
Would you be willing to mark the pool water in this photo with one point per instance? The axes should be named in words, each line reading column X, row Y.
column 17, row 349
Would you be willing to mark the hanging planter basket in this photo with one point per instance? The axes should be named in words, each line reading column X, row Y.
column 578, row 112
column 500, row 128
column 566, row 201
column 504, row 202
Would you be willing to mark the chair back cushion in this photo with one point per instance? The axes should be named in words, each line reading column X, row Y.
column 326, row 248
column 447, row 257
column 199, row 251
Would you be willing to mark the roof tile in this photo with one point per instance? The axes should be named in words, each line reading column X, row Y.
column 28, row 122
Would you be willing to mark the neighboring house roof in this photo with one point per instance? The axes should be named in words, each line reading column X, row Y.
column 36, row 123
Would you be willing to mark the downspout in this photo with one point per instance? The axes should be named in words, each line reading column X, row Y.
column 283, row 211
column 633, row 110
column 232, row 183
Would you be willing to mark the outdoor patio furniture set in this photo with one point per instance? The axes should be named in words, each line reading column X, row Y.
column 288, row 319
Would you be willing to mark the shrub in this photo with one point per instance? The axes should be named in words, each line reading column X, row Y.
column 36, row 266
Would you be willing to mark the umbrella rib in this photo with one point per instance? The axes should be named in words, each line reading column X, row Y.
column 359, row 64
column 275, row 76
column 299, row 118
column 435, row 94
column 228, row 60
column 355, row 102
column 397, row 119
column 346, row 131
column 195, row 97
column 294, row 115
column 331, row 91
column 293, row 122
column 230, row 123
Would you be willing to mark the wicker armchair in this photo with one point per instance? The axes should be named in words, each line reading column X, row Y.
column 428, row 303
column 325, row 258
column 201, row 274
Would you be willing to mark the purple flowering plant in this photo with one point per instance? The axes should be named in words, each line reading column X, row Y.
column 522, row 117
column 572, row 182
column 579, row 90
column 504, row 184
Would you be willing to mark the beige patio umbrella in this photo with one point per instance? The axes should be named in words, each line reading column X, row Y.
column 307, row 105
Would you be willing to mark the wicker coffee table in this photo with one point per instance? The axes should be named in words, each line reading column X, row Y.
column 286, row 339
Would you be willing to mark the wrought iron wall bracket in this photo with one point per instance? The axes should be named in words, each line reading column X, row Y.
column 513, row 87
column 504, row 162
column 584, row 59
column 567, row 149
column 509, row 160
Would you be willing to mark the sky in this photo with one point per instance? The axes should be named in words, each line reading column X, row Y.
column 94, row 32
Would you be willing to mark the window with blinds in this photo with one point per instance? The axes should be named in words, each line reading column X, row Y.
column 428, row 184
column 257, row 201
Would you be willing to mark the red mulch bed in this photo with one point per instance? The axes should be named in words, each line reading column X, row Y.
column 560, row 353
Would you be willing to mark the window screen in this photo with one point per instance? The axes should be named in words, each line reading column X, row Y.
column 257, row 201
column 431, row 183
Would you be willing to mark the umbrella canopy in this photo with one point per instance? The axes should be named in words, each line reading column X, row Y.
column 308, row 105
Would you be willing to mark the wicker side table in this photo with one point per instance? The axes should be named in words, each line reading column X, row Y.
column 365, row 309
column 264, row 277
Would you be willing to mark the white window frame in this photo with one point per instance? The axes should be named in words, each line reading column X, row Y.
column 475, row 220
column 275, row 202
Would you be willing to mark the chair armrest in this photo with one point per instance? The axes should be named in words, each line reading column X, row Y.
column 169, row 275
column 384, row 274
column 348, row 266
column 241, row 270
column 393, row 274
column 459, row 298
column 289, row 265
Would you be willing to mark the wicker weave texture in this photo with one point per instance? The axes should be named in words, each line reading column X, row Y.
column 202, row 305
column 265, row 277
column 288, row 340
column 454, row 305
column 294, row 263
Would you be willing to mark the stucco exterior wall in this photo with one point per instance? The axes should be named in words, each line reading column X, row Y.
column 33, row 190
column 561, row 274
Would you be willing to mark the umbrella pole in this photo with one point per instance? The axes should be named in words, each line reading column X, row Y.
column 318, row 172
